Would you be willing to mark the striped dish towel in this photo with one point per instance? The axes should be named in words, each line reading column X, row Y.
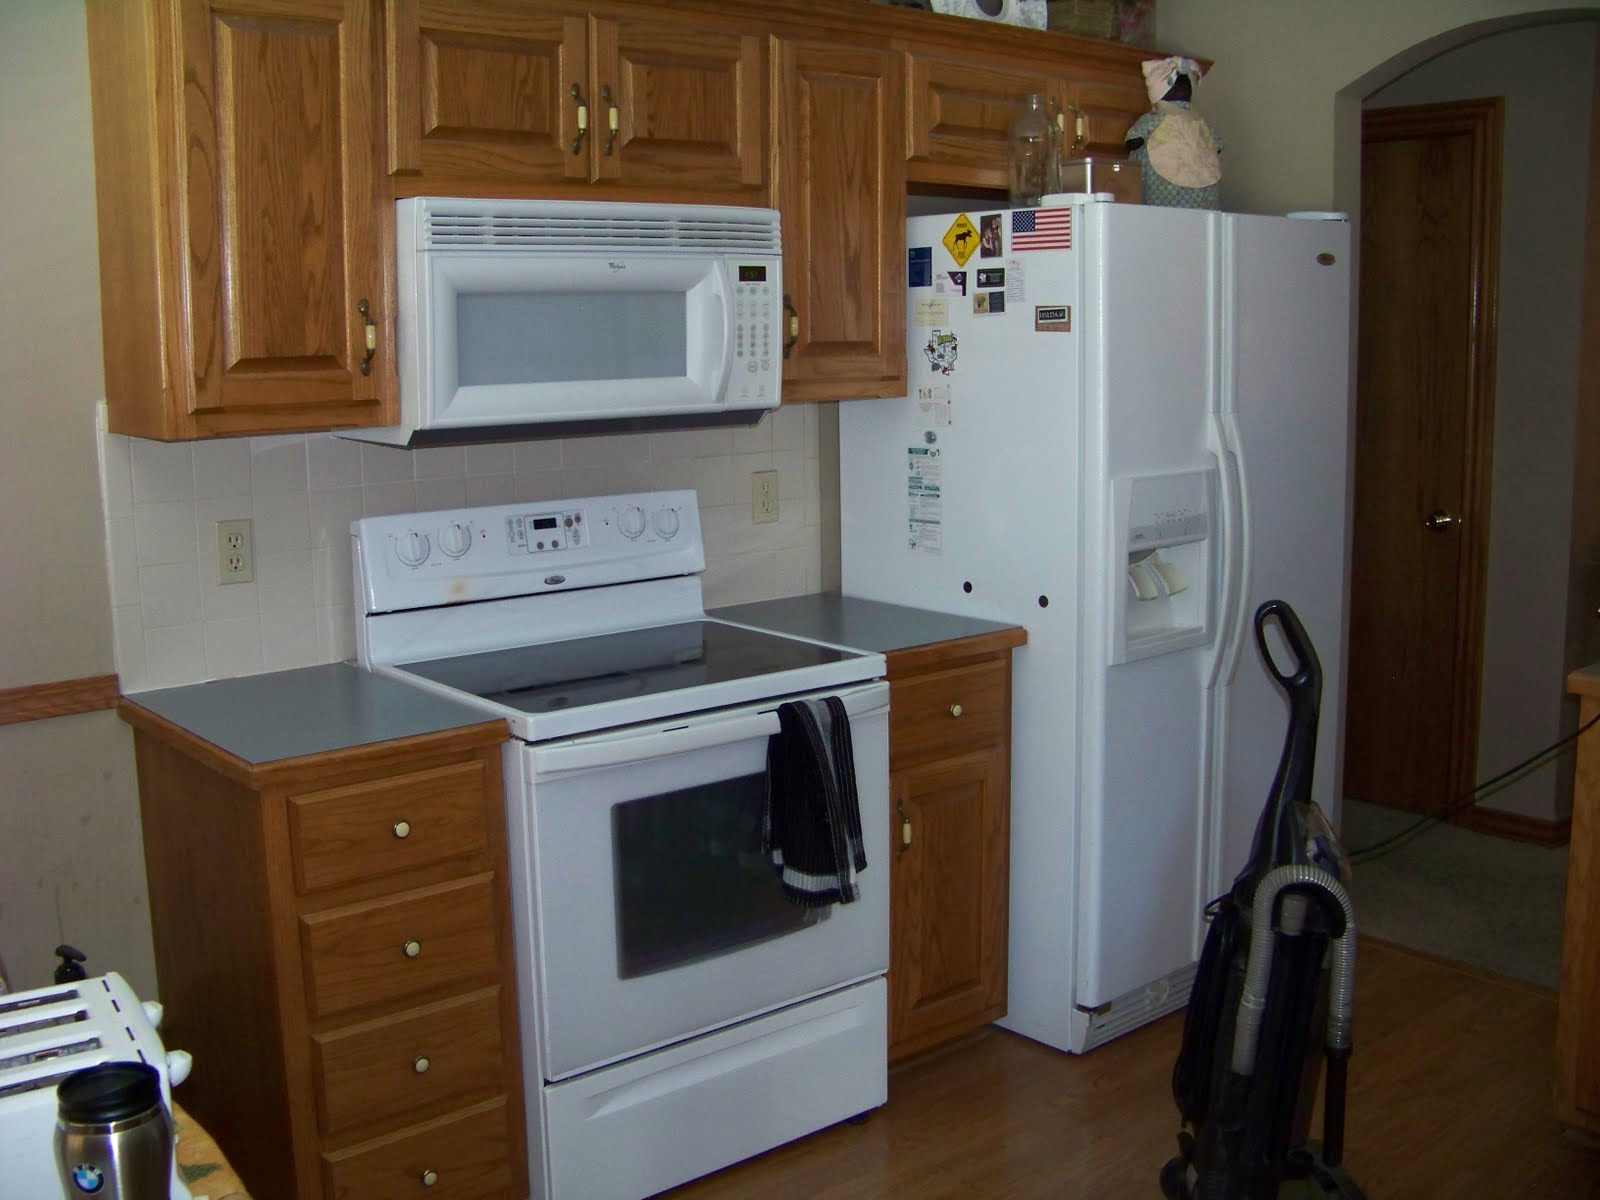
column 813, row 819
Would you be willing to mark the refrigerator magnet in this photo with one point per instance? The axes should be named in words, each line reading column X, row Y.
column 991, row 277
column 961, row 239
column 941, row 351
column 935, row 310
column 1052, row 318
column 919, row 266
column 951, row 283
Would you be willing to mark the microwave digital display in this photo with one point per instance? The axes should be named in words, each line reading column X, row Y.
column 752, row 274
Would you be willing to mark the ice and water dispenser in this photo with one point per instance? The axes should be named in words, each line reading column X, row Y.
column 1164, row 562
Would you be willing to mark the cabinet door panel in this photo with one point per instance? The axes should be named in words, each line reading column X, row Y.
column 1107, row 110
column 483, row 91
column 841, row 187
column 687, row 103
column 960, row 117
column 947, row 968
column 281, row 213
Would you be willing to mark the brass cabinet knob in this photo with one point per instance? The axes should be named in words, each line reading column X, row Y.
column 412, row 948
column 955, row 710
column 420, row 1064
column 905, row 827
column 402, row 829
column 429, row 1178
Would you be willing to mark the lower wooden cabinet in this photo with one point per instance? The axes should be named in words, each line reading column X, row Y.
column 950, row 801
column 333, row 946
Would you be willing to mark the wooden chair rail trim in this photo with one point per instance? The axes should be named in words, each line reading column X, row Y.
column 63, row 698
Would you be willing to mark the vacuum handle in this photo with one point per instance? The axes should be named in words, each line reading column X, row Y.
column 1306, row 678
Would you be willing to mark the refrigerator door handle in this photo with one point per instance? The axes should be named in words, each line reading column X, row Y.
column 1233, row 558
column 1243, row 552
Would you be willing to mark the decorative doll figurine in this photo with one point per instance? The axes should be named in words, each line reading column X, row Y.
column 1174, row 147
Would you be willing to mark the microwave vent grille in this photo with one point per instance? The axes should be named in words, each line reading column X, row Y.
column 601, row 234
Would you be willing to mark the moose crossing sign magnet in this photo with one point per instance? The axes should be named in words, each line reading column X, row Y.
column 961, row 239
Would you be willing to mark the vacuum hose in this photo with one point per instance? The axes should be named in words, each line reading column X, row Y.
column 1253, row 1002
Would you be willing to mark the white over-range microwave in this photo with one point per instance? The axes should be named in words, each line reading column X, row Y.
column 541, row 318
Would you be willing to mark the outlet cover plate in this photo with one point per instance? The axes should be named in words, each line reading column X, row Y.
column 236, row 553
column 763, row 497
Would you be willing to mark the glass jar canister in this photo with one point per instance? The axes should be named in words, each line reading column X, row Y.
column 1034, row 143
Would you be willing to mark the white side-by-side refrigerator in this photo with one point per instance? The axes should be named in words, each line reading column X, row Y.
column 1127, row 427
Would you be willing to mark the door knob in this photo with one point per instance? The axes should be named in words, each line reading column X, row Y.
column 1439, row 520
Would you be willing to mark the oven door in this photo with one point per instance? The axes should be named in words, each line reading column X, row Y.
column 655, row 914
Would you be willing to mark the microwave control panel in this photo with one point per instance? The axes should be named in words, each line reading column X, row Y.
column 756, row 345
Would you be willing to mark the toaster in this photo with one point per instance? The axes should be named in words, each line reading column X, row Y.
column 47, row 1034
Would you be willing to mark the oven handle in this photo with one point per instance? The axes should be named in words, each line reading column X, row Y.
column 618, row 749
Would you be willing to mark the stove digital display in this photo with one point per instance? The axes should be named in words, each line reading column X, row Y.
column 530, row 533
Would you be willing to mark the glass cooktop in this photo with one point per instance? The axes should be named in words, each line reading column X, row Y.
column 553, row 676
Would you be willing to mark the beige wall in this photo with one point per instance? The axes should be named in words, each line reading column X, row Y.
column 1280, row 65
column 1545, row 74
column 70, row 861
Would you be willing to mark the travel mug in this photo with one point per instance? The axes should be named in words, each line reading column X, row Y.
column 113, row 1133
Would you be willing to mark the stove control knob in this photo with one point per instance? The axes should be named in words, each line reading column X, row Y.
column 411, row 548
column 455, row 539
column 667, row 522
column 631, row 521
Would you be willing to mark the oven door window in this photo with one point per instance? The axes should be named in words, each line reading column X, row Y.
column 691, row 878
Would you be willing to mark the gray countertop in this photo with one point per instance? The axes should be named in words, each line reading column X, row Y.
column 310, row 710
column 857, row 624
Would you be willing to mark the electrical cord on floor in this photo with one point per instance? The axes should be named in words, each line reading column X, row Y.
column 1487, row 788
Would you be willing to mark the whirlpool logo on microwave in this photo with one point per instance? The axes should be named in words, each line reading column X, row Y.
column 617, row 266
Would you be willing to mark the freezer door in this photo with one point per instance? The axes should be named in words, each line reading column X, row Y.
column 1285, row 406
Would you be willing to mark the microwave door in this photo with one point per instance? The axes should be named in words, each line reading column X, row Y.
column 519, row 337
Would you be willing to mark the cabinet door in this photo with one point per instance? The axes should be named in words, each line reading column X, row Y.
column 840, row 184
column 281, row 219
column 960, row 117
column 949, row 899
column 1099, row 113
column 486, row 92
column 677, row 104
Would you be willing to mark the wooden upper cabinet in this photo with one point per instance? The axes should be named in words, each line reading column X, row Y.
column 495, row 97
column 960, row 111
column 839, row 181
column 961, row 107
column 241, row 232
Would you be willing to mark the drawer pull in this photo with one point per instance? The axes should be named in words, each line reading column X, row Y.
column 412, row 948
column 402, row 829
column 420, row 1064
column 955, row 710
column 429, row 1178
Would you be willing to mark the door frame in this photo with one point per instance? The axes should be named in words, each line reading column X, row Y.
column 1483, row 121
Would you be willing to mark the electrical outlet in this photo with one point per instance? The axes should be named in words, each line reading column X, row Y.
column 763, row 497
column 236, row 552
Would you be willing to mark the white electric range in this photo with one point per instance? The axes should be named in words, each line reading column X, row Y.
column 678, row 1014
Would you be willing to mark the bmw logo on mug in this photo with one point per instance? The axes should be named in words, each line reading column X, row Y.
column 88, row 1177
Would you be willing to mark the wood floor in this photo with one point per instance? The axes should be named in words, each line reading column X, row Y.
column 1450, row 1096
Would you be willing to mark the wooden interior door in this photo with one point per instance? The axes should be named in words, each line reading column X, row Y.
column 1430, row 182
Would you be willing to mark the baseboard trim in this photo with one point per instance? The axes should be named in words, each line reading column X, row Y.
column 1516, row 826
column 63, row 698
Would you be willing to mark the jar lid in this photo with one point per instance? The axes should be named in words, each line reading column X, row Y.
column 112, row 1091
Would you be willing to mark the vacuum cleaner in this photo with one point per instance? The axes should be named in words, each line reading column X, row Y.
column 1278, row 966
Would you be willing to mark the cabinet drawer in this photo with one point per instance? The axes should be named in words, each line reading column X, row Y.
column 465, row 1156
column 383, row 950
column 381, row 826
column 420, row 1059
column 943, row 711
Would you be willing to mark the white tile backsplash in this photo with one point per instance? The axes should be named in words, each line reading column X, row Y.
column 174, row 624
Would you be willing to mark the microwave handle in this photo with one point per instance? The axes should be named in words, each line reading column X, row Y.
column 724, row 368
